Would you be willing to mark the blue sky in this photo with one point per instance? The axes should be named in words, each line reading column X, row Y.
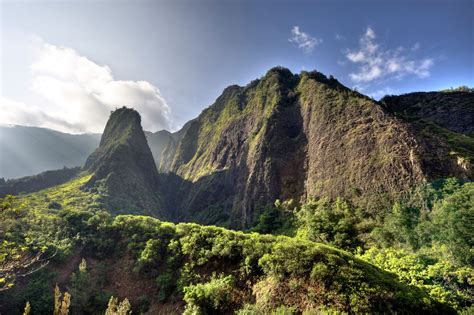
column 66, row 64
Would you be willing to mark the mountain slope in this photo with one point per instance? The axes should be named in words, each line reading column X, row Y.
column 453, row 111
column 26, row 151
column 123, row 167
column 293, row 136
column 444, row 118
column 205, row 269
column 157, row 142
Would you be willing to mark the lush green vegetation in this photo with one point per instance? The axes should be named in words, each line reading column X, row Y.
column 37, row 182
column 213, row 269
column 427, row 238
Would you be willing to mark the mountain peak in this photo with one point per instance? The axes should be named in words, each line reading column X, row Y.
column 124, row 122
column 280, row 70
column 293, row 136
column 123, row 165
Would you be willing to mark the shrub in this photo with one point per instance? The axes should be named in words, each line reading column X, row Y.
column 210, row 297
column 321, row 220
column 166, row 284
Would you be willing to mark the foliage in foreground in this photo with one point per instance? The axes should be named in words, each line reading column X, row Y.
column 427, row 238
column 212, row 269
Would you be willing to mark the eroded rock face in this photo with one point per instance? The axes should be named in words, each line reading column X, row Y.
column 284, row 136
column 123, row 166
column 451, row 110
column 293, row 136
column 443, row 121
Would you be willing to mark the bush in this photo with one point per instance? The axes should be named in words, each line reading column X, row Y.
column 276, row 219
column 210, row 297
column 442, row 280
column 166, row 284
column 321, row 220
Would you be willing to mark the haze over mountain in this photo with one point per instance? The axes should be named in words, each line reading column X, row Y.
column 26, row 151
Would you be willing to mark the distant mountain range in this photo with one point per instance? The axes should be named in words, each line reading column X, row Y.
column 26, row 151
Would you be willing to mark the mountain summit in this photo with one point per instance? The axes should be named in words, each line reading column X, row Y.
column 123, row 167
column 293, row 136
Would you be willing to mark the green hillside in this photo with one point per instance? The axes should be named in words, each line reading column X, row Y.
column 199, row 269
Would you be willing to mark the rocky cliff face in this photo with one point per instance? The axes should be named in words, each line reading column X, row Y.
column 444, row 122
column 450, row 110
column 284, row 136
column 293, row 136
column 123, row 166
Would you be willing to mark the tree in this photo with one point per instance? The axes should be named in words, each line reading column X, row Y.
column 276, row 219
column 19, row 261
column 27, row 310
column 83, row 265
column 453, row 224
column 116, row 308
column 16, row 259
column 61, row 306
column 81, row 288
column 326, row 221
column 400, row 226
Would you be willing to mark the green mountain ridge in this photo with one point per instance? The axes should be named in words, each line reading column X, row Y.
column 37, row 182
column 288, row 136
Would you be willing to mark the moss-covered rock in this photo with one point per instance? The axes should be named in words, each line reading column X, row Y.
column 123, row 167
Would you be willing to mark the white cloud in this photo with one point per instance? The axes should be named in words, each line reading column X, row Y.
column 305, row 41
column 369, row 33
column 18, row 113
column 339, row 37
column 376, row 63
column 81, row 94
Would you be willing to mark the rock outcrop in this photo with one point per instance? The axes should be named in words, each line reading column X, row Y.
column 123, row 167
